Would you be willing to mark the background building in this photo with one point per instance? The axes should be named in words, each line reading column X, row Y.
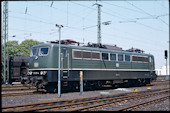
column 162, row 71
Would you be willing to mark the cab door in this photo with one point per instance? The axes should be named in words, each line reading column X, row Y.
column 64, row 63
column 151, row 62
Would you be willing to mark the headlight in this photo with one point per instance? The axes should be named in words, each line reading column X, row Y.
column 43, row 72
column 29, row 73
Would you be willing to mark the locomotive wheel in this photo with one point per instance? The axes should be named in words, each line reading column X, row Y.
column 51, row 87
column 147, row 81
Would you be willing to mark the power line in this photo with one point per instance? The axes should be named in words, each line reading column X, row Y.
column 122, row 18
column 146, row 12
column 111, row 15
column 155, row 17
column 74, row 27
column 77, row 28
column 122, row 7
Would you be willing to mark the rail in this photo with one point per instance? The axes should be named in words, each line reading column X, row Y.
column 84, row 103
column 129, row 108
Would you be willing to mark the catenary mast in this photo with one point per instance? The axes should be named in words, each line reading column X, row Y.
column 4, row 44
column 98, row 23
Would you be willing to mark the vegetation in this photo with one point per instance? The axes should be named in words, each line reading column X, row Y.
column 23, row 49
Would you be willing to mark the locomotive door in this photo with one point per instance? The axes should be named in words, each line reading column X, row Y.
column 151, row 63
column 65, row 63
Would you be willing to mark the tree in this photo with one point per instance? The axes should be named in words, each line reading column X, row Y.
column 25, row 47
column 13, row 48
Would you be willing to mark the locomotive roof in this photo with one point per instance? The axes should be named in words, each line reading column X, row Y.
column 90, row 48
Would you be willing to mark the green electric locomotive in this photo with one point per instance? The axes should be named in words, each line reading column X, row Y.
column 100, row 64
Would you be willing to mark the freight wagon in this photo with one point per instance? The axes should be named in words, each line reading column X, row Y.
column 18, row 68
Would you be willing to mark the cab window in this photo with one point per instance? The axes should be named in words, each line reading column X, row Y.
column 120, row 57
column 44, row 51
column 33, row 52
column 127, row 58
column 105, row 56
column 113, row 57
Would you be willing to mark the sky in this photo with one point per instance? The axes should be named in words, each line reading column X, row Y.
column 137, row 24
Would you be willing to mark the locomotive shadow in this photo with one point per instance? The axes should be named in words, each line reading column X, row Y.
column 104, row 87
column 85, row 89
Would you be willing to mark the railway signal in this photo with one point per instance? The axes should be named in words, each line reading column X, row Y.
column 166, row 54
column 166, row 57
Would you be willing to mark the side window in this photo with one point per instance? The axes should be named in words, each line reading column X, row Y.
column 120, row 57
column 140, row 59
column 86, row 54
column 44, row 51
column 76, row 54
column 134, row 58
column 127, row 58
column 145, row 59
column 113, row 57
column 95, row 55
column 105, row 56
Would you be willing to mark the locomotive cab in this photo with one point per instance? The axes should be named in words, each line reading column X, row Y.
column 43, row 66
column 38, row 60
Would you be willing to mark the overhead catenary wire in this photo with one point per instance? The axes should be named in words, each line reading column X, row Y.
column 155, row 17
column 122, row 7
column 146, row 12
column 67, row 27
column 53, row 23
column 73, row 20
column 135, row 21
column 109, row 14
column 121, row 18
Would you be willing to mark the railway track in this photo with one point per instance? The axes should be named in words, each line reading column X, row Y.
column 12, row 86
column 85, row 103
column 21, row 94
column 130, row 108
column 117, row 101
column 160, row 83
column 16, row 90
column 18, row 87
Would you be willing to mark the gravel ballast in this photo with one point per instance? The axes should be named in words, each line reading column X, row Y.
column 69, row 95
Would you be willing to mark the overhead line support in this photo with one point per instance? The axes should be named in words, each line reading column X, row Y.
column 99, row 23
column 4, row 44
